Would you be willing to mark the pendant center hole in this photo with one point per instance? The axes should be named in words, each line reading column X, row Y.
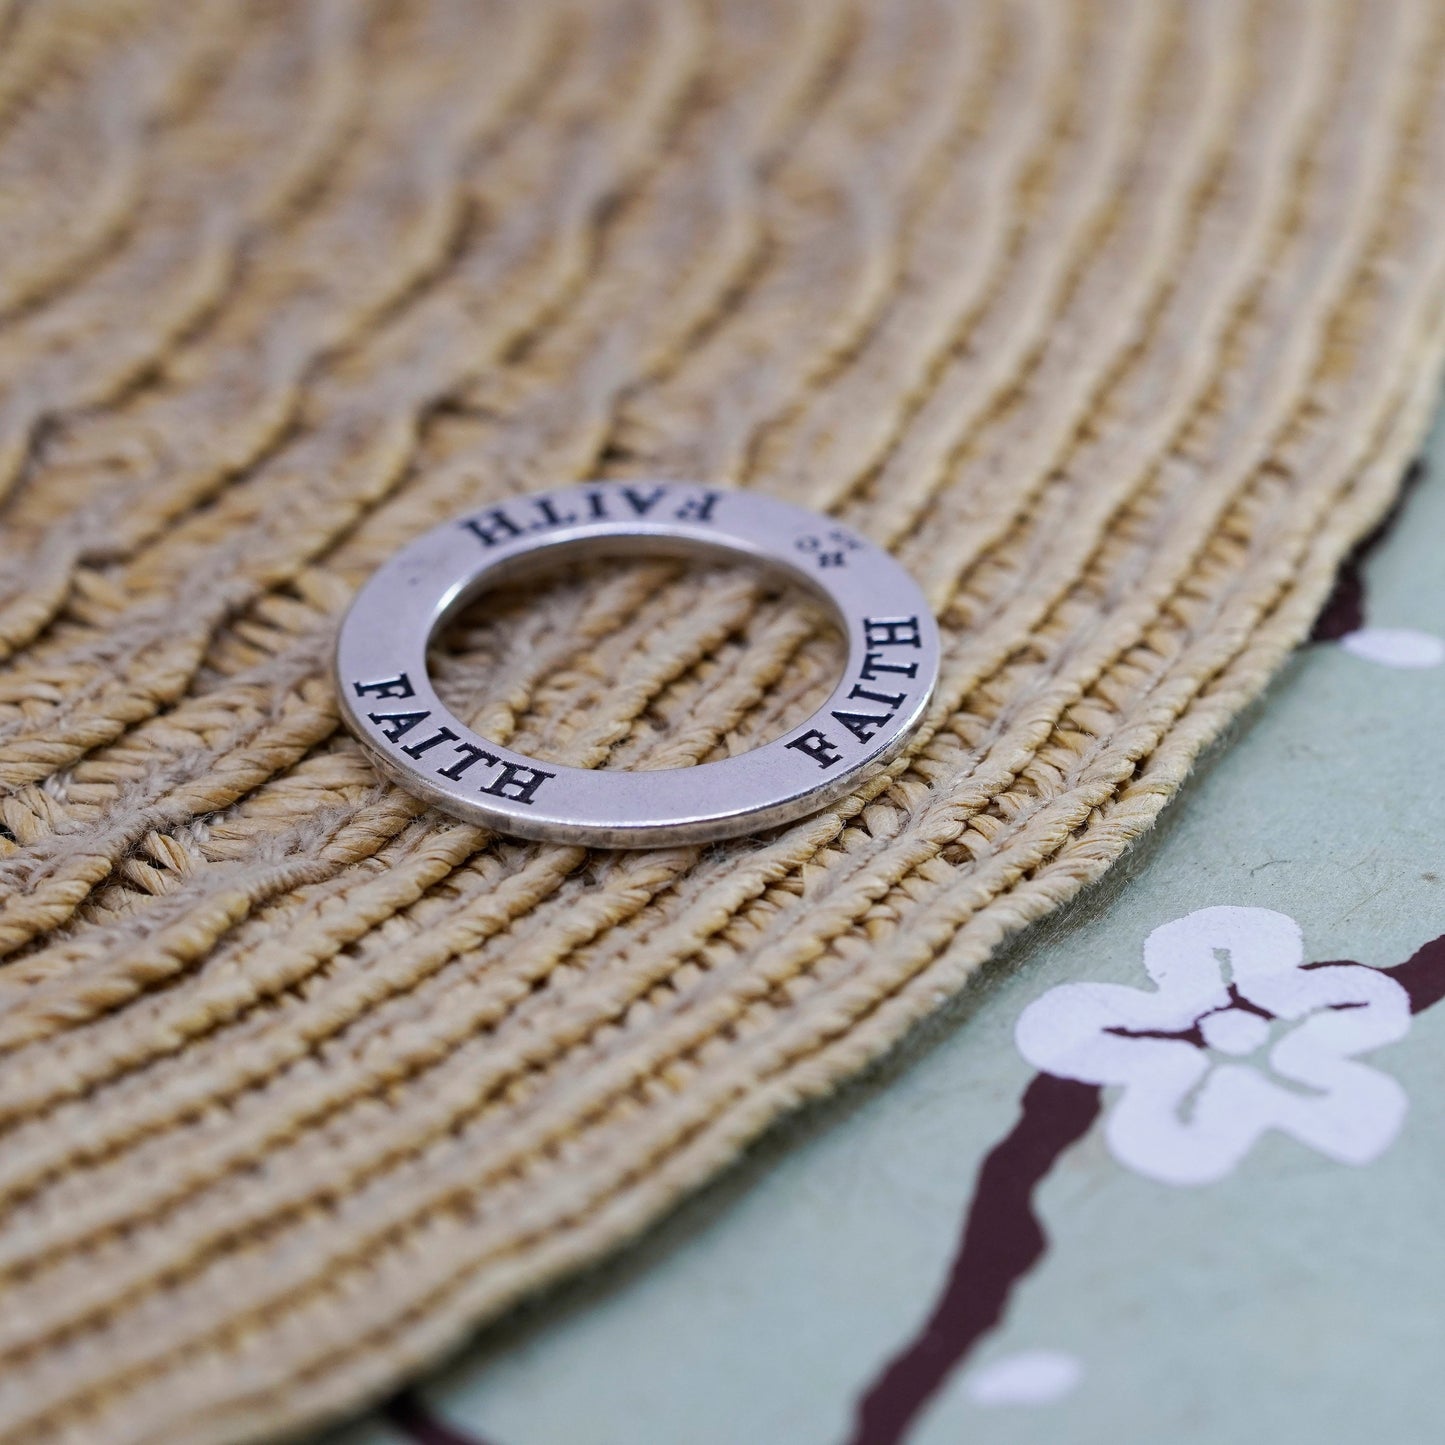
column 638, row 663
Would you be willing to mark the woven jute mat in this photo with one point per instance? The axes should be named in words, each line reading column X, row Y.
column 1118, row 322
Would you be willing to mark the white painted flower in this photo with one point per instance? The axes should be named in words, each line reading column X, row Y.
column 1186, row 1115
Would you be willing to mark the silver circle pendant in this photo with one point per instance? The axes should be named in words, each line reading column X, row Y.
column 389, row 702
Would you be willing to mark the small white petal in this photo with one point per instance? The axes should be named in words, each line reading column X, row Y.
column 1395, row 646
column 1031, row 1377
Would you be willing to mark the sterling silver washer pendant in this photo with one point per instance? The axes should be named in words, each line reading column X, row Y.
column 389, row 703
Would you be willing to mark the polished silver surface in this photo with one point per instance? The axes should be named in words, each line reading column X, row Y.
column 389, row 702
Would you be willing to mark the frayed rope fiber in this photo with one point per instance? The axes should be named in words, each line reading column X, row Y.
column 1117, row 321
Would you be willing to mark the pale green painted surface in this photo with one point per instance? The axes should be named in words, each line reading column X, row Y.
column 1298, row 1300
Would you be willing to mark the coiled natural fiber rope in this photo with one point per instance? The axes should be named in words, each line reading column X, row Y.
column 1117, row 320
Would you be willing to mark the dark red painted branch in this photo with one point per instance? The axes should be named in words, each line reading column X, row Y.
column 1344, row 612
column 413, row 1417
column 1002, row 1240
column 1422, row 975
